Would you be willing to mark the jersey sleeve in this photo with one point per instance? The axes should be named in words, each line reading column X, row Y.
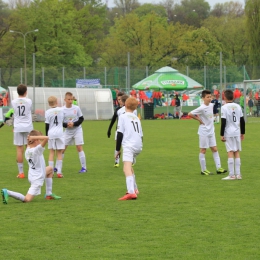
column 39, row 150
column 197, row 111
column 223, row 112
column 79, row 113
column 120, row 125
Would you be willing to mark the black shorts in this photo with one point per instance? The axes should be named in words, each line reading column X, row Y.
column 250, row 103
column 215, row 111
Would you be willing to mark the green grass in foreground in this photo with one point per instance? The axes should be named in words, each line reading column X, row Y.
column 179, row 213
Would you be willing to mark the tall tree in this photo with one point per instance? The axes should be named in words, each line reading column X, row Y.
column 252, row 10
column 126, row 6
column 230, row 32
column 229, row 9
column 191, row 12
column 150, row 39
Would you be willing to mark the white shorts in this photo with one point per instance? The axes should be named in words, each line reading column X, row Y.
column 56, row 144
column 233, row 144
column 20, row 138
column 76, row 139
column 35, row 188
column 129, row 155
column 207, row 141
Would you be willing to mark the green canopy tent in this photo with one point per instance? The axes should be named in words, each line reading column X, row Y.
column 167, row 79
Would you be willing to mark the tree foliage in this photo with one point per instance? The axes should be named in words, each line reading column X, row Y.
column 191, row 12
column 252, row 10
column 139, row 36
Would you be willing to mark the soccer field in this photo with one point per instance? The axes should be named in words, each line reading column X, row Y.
column 179, row 214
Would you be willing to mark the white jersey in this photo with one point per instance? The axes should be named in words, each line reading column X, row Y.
column 130, row 126
column 55, row 117
column 122, row 111
column 72, row 114
column 36, row 162
column 22, row 114
column 232, row 112
column 206, row 115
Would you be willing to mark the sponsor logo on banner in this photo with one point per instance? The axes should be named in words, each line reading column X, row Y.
column 171, row 81
column 88, row 83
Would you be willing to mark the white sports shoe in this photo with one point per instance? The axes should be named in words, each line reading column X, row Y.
column 239, row 177
column 233, row 177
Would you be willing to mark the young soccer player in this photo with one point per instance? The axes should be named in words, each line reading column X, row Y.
column 8, row 115
column 54, row 118
column 22, row 124
column 73, row 134
column 113, row 120
column 130, row 136
column 121, row 111
column 215, row 108
column 206, row 132
column 232, row 132
column 37, row 171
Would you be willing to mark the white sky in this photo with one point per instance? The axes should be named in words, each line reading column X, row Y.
column 211, row 2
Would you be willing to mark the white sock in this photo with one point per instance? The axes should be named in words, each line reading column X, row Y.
column 56, row 161
column 48, row 183
column 130, row 184
column 118, row 158
column 217, row 119
column 51, row 163
column 237, row 166
column 16, row 195
column 20, row 167
column 231, row 166
column 82, row 159
column 59, row 166
column 202, row 161
column 217, row 160
column 135, row 185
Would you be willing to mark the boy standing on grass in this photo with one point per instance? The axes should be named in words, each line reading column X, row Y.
column 215, row 108
column 130, row 136
column 232, row 132
column 37, row 171
column 113, row 120
column 54, row 130
column 22, row 124
column 206, row 132
column 73, row 134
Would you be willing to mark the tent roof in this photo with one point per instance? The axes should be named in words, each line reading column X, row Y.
column 165, row 69
column 2, row 89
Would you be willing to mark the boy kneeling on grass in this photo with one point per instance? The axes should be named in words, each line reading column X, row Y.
column 37, row 171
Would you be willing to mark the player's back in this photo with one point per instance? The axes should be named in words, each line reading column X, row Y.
column 129, row 124
column 232, row 112
column 36, row 163
column 54, row 117
column 22, row 114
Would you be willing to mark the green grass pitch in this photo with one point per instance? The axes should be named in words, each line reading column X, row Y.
column 179, row 214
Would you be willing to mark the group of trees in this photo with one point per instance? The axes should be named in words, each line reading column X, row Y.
column 85, row 33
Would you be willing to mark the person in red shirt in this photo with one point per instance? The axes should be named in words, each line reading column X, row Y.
column 237, row 94
column 257, row 101
column 133, row 93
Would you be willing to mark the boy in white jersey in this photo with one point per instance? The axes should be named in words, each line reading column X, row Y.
column 130, row 135
column 232, row 132
column 121, row 111
column 113, row 120
column 73, row 134
column 54, row 118
column 37, row 171
column 22, row 124
column 206, row 132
